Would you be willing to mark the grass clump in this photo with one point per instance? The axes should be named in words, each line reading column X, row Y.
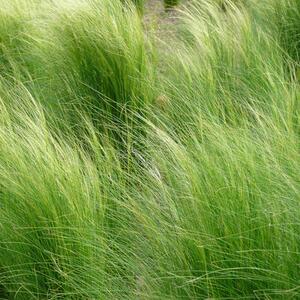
column 221, row 72
column 170, row 3
column 15, row 28
column 103, row 53
column 139, row 5
column 54, row 202
column 287, row 16
column 126, row 178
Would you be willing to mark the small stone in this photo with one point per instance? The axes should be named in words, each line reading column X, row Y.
column 162, row 102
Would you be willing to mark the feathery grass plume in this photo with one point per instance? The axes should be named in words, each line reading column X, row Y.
column 55, row 203
column 224, row 212
column 287, row 18
column 280, row 20
column 48, row 231
column 139, row 4
column 225, row 164
column 24, row 48
column 203, row 205
column 221, row 71
column 170, row 3
column 83, row 55
column 15, row 30
column 104, row 57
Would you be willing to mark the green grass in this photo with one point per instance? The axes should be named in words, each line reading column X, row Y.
column 170, row 3
column 139, row 5
column 134, row 171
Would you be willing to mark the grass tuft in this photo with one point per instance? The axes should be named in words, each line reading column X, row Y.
column 135, row 168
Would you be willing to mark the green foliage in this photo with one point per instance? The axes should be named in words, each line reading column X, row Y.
column 126, row 178
column 14, row 27
column 287, row 14
column 139, row 4
column 170, row 3
column 221, row 71
column 102, row 47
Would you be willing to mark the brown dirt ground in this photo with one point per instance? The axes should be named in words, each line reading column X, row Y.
column 157, row 19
